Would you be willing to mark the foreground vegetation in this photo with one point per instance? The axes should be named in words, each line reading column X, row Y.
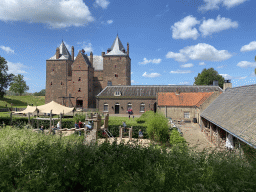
column 35, row 162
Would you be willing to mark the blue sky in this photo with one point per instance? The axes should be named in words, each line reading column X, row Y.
column 170, row 41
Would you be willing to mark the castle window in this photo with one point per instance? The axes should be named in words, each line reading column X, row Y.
column 186, row 115
column 142, row 107
column 109, row 83
column 61, row 83
column 79, row 79
column 52, row 69
column 105, row 107
column 120, row 58
column 116, row 75
column 79, row 90
column 115, row 66
column 51, row 83
column 118, row 93
column 129, row 106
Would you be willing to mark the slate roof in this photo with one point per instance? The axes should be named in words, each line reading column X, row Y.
column 182, row 99
column 152, row 90
column 64, row 54
column 235, row 112
column 86, row 59
column 116, row 48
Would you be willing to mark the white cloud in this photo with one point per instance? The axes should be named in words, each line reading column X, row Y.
column 16, row 68
column 181, row 71
column 151, row 75
column 56, row 14
column 132, row 81
column 245, row 64
column 109, row 21
column 214, row 4
column 220, row 67
column 227, row 76
column 131, row 73
column 201, row 51
column 202, row 63
column 211, row 26
column 187, row 65
column 145, row 61
column 185, row 29
column 250, row 47
column 102, row 3
column 184, row 83
column 7, row 49
column 87, row 47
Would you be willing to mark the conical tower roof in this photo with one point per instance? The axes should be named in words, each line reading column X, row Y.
column 117, row 48
column 64, row 53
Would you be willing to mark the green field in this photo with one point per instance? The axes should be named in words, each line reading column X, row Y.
column 21, row 101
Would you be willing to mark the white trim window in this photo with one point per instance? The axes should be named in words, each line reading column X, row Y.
column 129, row 106
column 186, row 115
column 142, row 107
column 105, row 109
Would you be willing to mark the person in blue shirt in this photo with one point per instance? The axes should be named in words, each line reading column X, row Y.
column 140, row 134
column 77, row 127
column 90, row 125
column 124, row 125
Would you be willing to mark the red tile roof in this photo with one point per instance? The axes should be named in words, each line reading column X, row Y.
column 182, row 99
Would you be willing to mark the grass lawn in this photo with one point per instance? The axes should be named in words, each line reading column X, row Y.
column 21, row 101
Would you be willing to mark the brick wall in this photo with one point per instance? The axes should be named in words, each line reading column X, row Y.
column 117, row 65
column 177, row 113
column 136, row 103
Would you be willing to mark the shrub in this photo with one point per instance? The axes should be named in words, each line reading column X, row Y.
column 145, row 117
column 177, row 140
column 79, row 117
column 157, row 128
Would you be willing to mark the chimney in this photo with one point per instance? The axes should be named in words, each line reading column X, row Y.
column 227, row 84
column 72, row 53
column 91, row 58
column 215, row 83
column 128, row 49
column 83, row 51
column 102, row 54
column 58, row 53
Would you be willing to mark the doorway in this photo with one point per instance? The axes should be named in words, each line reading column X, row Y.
column 155, row 107
column 79, row 103
column 117, row 108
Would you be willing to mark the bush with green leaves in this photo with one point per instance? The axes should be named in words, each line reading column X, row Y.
column 157, row 128
column 79, row 117
column 145, row 117
column 36, row 162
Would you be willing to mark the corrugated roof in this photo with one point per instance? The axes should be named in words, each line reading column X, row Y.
column 116, row 48
column 152, row 90
column 64, row 54
column 235, row 111
column 182, row 99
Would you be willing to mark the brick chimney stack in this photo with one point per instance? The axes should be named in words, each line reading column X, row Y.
column 91, row 58
column 227, row 84
column 128, row 49
column 102, row 54
column 58, row 53
column 72, row 53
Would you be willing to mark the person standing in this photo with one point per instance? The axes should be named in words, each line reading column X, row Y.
column 42, row 128
column 140, row 134
column 80, row 124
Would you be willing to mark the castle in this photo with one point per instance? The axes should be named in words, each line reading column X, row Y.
column 75, row 82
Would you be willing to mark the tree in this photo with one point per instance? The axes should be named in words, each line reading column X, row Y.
column 40, row 93
column 18, row 85
column 5, row 78
column 207, row 76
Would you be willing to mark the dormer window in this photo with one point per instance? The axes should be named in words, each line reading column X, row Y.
column 79, row 90
column 79, row 79
column 118, row 93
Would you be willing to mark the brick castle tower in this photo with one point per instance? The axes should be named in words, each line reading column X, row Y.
column 76, row 82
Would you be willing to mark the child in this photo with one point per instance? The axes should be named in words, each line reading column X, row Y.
column 124, row 125
column 140, row 134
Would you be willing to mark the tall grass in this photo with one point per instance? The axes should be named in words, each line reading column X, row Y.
column 35, row 162
column 21, row 101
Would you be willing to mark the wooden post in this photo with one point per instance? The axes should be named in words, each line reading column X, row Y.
column 29, row 118
column 11, row 117
column 218, row 137
column 120, row 132
column 60, row 121
column 37, row 123
column 211, row 125
column 130, row 133
column 106, row 121
column 50, row 122
column 165, row 111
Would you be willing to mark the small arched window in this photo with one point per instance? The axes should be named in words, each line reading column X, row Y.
column 116, row 75
column 142, row 107
column 51, row 83
column 79, row 90
column 79, row 79
column 61, row 83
